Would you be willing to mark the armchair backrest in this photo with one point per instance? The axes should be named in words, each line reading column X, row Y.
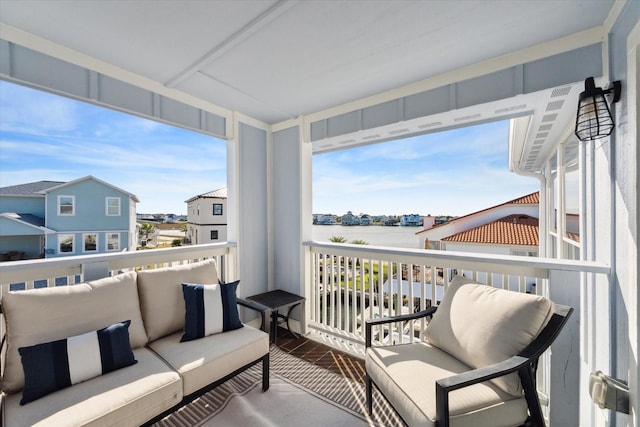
column 481, row 325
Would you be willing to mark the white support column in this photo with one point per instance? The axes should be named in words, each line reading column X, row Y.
column 561, row 215
column 292, row 195
column 248, row 205
column 564, row 387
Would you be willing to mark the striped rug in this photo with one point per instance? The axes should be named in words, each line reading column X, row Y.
column 343, row 391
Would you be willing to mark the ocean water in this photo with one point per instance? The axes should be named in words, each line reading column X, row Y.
column 374, row 235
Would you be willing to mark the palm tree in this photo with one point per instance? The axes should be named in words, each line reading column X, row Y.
column 337, row 239
column 359, row 242
column 146, row 229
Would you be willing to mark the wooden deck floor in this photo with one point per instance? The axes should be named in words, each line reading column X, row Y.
column 322, row 355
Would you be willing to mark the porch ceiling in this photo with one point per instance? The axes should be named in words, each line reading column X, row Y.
column 278, row 60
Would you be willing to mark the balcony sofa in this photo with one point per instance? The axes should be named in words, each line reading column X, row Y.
column 160, row 372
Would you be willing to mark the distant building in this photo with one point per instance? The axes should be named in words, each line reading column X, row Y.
column 366, row 219
column 510, row 228
column 350, row 219
column 207, row 217
column 412, row 220
column 54, row 219
column 324, row 219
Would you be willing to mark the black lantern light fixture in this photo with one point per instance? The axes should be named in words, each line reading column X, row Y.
column 594, row 117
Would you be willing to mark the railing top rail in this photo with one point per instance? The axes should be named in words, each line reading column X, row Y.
column 455, row 259
column 25, row 270
column 156, row 254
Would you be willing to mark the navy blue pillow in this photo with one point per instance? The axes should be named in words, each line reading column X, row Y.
column 59, row 364
column 209, row 309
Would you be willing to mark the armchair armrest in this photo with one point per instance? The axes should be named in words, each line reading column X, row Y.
column 524, row 363
column 400, row 318
column 475, row 376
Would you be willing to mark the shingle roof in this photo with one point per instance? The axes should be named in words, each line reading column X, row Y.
column 511, row 230
column 220, row 193
column 29, row 189
column 28, row 218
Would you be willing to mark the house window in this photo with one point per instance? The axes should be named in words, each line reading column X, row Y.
column 113, row 241
column 113, row 206
column 65, row 243
column 214, row 234
column 90, row 242
column 524, row 253
column 66, row 205
column 217, row 208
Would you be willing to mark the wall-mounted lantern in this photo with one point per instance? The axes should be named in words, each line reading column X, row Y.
column 594, row 118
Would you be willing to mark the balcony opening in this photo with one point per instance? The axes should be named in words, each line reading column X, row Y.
column 402, row 183
column 47, row 137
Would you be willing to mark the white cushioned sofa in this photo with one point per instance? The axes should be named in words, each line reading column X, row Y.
column 153, row 372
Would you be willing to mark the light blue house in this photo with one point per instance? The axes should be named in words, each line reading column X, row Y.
column 52, row 219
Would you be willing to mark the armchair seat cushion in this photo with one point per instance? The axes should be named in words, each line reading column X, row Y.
column 407, row 373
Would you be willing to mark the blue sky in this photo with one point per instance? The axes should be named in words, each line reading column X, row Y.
column 47, row 137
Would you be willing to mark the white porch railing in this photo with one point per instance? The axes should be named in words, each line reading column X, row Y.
column 348, row 284
column 36, row 273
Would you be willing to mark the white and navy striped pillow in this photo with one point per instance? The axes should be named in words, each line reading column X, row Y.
column 59, row 364
column 210, row 309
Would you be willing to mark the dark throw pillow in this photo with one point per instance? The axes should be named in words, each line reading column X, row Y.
column 59, row 364
column 209, row 309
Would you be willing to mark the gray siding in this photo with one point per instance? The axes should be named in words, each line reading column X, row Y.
column 24, row 66
column 549, row 72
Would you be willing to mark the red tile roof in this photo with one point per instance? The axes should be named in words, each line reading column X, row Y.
column 511, row 230
column 533, row 198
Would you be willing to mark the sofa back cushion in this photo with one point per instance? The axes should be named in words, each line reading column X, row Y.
column 42, row 315
column 481, row 325
column 161, row 300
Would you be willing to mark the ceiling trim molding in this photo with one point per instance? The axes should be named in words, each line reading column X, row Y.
column 54, row 50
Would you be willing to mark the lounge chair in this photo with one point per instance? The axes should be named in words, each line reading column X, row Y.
column 477, row 365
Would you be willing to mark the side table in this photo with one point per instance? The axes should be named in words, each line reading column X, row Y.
column 273, row 301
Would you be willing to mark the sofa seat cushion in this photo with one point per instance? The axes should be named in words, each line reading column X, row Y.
column 404, row 370
column 203, row 361
column 126, row 397
column 481, row 325
column 42, row 315
column 161, row 300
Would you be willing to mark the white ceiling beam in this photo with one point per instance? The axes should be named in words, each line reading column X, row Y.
column 257, row 23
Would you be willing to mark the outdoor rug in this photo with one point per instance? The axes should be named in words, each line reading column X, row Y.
column 300, row 394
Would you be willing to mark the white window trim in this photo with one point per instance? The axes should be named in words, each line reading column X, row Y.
column 60, row 238
column 107, row 242
column 84, row 236
column 106, row 207
column 73, row 205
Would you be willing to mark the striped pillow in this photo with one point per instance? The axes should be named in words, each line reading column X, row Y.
column 210, row 309
column 59, row 364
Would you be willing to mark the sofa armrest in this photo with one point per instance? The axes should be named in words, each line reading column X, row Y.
column 369, row 324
